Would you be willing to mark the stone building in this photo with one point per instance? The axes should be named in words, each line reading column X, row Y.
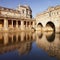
column 21, row 19
column 16, row 20
column 49, row 20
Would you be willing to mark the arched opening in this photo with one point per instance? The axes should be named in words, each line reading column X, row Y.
column 39, row 26
column 50, row 27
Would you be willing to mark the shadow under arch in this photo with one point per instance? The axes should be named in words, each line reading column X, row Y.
column 40, row 26
column 50, row 37
column 51, row 25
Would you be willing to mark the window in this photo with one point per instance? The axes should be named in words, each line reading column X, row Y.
column 28, row 12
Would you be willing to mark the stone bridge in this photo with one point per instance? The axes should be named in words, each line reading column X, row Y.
column 49, row 20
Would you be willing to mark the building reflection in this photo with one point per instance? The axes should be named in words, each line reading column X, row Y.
column 21, row 41
column 50, row 42
column 50, row 36
column 25, row 48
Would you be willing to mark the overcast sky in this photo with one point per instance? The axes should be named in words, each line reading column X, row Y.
column 37, row 6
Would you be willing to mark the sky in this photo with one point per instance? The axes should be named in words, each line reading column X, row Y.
column 37, row 6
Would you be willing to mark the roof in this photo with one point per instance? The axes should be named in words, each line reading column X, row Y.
column 9, row 9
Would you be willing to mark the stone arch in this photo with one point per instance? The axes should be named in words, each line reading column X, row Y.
column 50, row 26
column 40, row 26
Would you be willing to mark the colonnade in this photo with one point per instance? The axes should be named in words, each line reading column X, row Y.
column 18, row 24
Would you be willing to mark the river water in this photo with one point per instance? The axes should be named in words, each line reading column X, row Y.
column 30, row 46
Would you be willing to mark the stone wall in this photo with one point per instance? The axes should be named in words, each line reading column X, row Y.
column 50, row 15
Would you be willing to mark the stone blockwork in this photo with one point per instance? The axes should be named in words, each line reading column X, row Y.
column 16, row 20
column 21, row 19
column 50, row 17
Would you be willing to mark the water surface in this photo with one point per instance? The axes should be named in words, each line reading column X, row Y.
column 30, row 46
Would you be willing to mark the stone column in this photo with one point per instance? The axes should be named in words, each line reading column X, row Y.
column 12, row 23
column 33, row 24
column 16, row 24
column 29, row 25
column 22, row 25
column 5, row 24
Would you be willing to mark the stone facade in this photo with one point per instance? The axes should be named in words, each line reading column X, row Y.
column 25, row 11
column 18, row 19
column 49, row 18
column 21, row 19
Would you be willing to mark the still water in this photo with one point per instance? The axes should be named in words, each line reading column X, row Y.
column 30, row 46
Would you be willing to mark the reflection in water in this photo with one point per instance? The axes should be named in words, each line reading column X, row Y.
column 39, row 34
column 25, row 48
column 53, row 49
column 50, row 37
column 23, row 42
